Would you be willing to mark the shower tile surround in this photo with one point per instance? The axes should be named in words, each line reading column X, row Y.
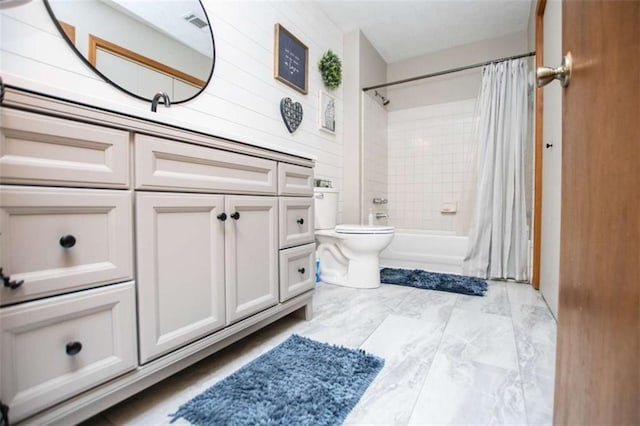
column 449, row 358
column 430, row 153
column 374, row 157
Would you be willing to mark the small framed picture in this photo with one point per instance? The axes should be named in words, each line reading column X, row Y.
column 326, row 112
column 291, row 60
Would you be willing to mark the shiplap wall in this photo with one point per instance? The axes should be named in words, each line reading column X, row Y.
column 241, row 101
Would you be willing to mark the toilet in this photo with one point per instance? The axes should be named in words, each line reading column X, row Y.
column 349, row 254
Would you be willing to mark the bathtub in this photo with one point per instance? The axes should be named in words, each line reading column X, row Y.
column 436, row 252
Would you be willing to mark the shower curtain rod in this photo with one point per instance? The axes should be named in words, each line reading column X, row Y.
column 449, row 71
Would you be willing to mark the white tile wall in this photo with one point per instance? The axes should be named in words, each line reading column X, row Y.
column 430, row 151
column 374, row 157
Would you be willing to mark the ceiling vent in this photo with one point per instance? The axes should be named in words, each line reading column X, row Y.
column 193, row 19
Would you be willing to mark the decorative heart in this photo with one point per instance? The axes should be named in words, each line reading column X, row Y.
column 291, row 113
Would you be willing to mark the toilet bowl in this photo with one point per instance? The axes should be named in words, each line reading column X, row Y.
column 349, row 254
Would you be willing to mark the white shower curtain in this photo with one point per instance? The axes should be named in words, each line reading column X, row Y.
column 498, row 238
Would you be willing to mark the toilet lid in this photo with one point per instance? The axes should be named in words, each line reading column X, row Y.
column 363, row 229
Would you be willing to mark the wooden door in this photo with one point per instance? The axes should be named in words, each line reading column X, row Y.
column 252, row 255
column 180, row 247
column 598, row 362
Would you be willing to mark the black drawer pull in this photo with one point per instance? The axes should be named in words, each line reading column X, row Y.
column 301, row 270
column 235, row 216
column 222, row 217
column 73, row 348
column 300, row 221
column 68, row 241
column 7, row 282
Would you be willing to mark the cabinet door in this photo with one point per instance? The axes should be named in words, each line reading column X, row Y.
column 58, row 240
column 296, row 221
column 295, row 180
column 297, row 267
column 163, row 164
column 252, row 255
column 55, row 348
column 42, row 150
column 180, row 269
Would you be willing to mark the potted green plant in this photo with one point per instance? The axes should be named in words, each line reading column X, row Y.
column 331, row 70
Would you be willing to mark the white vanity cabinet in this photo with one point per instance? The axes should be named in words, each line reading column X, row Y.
column 131, row 249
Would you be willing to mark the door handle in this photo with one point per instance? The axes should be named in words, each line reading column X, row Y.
column 545, row 75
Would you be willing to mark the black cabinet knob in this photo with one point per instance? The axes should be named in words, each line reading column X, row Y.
column 235, row 216
column 8, row 282
column 549, row 145
column 300, row 221
column 301, row 270
column 73, row 348
column 68, row 241
column 222, row 216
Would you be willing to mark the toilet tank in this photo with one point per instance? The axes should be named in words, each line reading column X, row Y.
column 325, row 207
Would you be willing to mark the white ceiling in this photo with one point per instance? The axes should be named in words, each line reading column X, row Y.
column 168, row 18
column 400, row 29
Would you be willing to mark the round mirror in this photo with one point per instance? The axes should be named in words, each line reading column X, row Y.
column 141, row 46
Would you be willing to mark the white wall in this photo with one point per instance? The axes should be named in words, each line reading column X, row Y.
column 242, row 100
column 363, row 67
column 95, row 17
column 450, row 87
column 350, row 196
column 551, row 161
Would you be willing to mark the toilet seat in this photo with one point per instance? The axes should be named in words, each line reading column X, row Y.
column 363, row 229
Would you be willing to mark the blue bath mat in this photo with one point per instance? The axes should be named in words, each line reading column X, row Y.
column 299, row 382
column 434, row 281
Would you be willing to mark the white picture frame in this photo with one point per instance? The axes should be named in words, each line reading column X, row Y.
column 326, row 112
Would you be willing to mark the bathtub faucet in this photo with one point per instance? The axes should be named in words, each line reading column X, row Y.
column 381, row 215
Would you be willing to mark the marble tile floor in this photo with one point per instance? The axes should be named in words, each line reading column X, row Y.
column 450, row 359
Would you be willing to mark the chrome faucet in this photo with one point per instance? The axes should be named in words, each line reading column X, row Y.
column 156, row 98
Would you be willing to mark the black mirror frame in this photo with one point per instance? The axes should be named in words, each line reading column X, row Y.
column 108, row 80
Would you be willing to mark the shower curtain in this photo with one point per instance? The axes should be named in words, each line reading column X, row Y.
column 498, row 238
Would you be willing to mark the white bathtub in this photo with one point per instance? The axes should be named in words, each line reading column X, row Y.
column 425, row 250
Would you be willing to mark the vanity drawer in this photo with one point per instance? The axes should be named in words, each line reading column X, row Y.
column 296, row 221
column 297, row 270
column 163, row 164
column 97, row 230
column 55, row 348
column 41, row 150
column 295, row 180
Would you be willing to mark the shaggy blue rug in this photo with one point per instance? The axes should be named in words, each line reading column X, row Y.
column 434, row 281
column 299, row 382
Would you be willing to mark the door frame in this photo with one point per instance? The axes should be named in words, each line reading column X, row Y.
column 537, row 176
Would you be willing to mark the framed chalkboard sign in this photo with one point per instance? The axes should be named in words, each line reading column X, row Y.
column 291, row 60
